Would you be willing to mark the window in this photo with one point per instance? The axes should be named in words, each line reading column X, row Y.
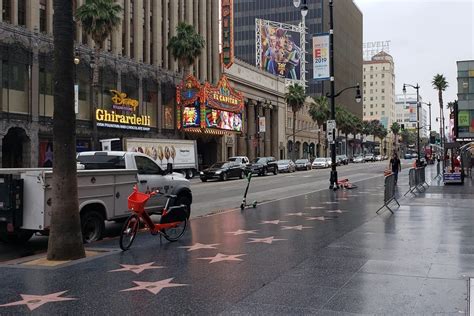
column 383, row 75
column 147, row 166
column 21, row 12
column 371, row 84
column 6, row 9
column 383, row 112
column 102, row 162
column 383, row 97
column 364, row 76
column 383, row 90
column 383, row 83
column 371, row 98
column 371, row 106
column 371, row 76
column 364, row 114
column 371, row 113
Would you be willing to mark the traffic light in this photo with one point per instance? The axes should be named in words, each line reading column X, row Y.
column 432, row 139
column 402, row 126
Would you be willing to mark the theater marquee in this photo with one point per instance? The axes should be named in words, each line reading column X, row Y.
column 123, row 114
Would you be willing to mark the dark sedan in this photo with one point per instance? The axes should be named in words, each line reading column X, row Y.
column 303, row 164
column 222, row 171
column 262, row 166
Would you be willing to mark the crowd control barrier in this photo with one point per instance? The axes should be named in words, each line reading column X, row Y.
column 438, row 170
column 416, row 180
column 389, row 193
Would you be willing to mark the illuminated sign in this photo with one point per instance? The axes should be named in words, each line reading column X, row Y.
column 224, row 120
column 121, row 116
column 190, row 117
column 223, row 97
column 227, row 33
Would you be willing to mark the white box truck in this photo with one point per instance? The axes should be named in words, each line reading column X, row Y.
column 180, row 152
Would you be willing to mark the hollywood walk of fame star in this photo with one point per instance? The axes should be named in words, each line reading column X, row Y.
column 35, row 301
column 267, row 240
column 198, row 246
column 330, row 202
column 153, row 287
column 275, row 222
column 222, row 257
column 314, row 207
column 337, row 211
column 343, row 199
column 241, row 232
column 317, row 218
column 297, row 227
column 296, row 214
column 137, row 268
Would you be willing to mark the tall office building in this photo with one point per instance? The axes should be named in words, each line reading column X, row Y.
column 405, row 109
column 347, row 39
column 465, row 112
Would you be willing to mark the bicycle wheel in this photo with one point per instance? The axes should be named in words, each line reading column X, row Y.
column 173, row 234
column 129, row 231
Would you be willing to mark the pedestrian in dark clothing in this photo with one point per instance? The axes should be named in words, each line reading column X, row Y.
column 395, row 166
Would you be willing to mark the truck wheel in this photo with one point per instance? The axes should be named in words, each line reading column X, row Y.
column 18, row 237
column 189, row 174
column 92, row 226
column 184, row 200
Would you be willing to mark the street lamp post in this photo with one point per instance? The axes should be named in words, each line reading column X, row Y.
column 417, row 87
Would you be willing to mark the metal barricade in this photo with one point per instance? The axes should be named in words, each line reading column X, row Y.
column 411, row 181
column 438, row 170
column 423, row 177
column 417, row 180
column 389, row 193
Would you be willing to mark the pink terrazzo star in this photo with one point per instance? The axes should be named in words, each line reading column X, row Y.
column 275, row 222
column 153, row 287
column 35, row 301
column 317, row 218
column 296, row 214
column 222, row 257
column 242, row 232
column 198, row 246
column 267, row 240
column 297, row 227
column 314, row 207
column 337, row 211
column 137, row 268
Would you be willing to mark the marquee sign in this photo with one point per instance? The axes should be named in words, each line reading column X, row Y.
column 223, row 97
column 122, row 116
column 227, row 11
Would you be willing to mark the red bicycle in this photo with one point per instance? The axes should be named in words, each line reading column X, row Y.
column 173, row 221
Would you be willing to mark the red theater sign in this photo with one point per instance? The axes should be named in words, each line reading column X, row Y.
column 227, row 10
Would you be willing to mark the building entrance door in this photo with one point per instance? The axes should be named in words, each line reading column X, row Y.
column 16, row 149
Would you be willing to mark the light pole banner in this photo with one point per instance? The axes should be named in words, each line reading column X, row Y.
column 321, row 57
column 412, row 109
column 261, row 124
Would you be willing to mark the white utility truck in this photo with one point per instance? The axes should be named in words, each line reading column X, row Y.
column 104, row 184
column 179, row 152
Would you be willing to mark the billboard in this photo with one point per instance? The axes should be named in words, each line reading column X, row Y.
column 412, row 108
column 225, row 120
column 466, row 124
column 279, row 50
column 321, row 69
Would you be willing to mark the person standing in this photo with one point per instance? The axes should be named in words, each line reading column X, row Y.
column 395, row 165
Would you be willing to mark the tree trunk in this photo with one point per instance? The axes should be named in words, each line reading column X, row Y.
column 95, row 98
column 347, row 139
column 65, row 238
column 294, row 136
column 319, row 143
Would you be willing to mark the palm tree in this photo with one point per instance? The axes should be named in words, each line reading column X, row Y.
column 367, row 129
column 295, row 98
column 395, row 128
column 186, row 46
column 439, row 83
column 319, row 112
column 382, row 133
column 452, row 105
column 65, row 239
column 99, row 18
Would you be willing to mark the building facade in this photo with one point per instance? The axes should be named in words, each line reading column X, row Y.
column 379, row 94
column 405, row 106
column 465, row 112
column 347, row 39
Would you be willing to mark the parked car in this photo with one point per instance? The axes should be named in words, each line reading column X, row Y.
column 343, row 160
column 303, row 164
column 262, row 165
column 320, row 163
column 359, row 159
column 378, row 158
column 242, row 160
column 407, row 156
column 369, row 157
column 286, row 166
column 223, row 171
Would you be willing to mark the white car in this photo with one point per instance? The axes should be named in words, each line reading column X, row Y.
column 320, row 163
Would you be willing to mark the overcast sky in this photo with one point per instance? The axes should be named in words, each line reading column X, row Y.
column 427, row 37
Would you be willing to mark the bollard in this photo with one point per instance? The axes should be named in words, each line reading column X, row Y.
column 389, row 193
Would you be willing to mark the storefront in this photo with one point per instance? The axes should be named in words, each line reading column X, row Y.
column 211, row 115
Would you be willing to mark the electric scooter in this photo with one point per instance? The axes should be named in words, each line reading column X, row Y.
column 244, row 200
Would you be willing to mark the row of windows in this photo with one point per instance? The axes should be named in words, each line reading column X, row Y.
column 376, row 113
column 372, row 105
column 376, row 68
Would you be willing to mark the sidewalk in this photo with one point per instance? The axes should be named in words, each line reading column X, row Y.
column 324, row 253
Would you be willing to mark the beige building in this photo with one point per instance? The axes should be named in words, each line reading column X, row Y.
column 379, row 95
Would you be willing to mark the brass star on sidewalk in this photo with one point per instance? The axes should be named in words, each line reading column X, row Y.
column 267, row 240
column 153, row 287
column 297, row 227
column 137, row 268
column 275, row 222
column 296, row 214
column 242, row 232
column 222, row 257
column 35, row 301
column 198, row 246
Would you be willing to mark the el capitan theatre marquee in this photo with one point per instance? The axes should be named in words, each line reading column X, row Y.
column 209, row 109
column 123, row 114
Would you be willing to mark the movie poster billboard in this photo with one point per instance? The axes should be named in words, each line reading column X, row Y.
column 279, row 49
column 466, row 124
column 225, row 120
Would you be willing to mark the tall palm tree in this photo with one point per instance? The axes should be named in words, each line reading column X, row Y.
column 319, row 112
column 295, row 98
column 65, row 239
column 395, row 128
column 186, row 46
column 99, row 18
column 439, row 83
column 367, row 129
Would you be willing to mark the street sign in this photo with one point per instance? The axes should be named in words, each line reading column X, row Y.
column 76, row 98
column 331, row 124
column 330, row 136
